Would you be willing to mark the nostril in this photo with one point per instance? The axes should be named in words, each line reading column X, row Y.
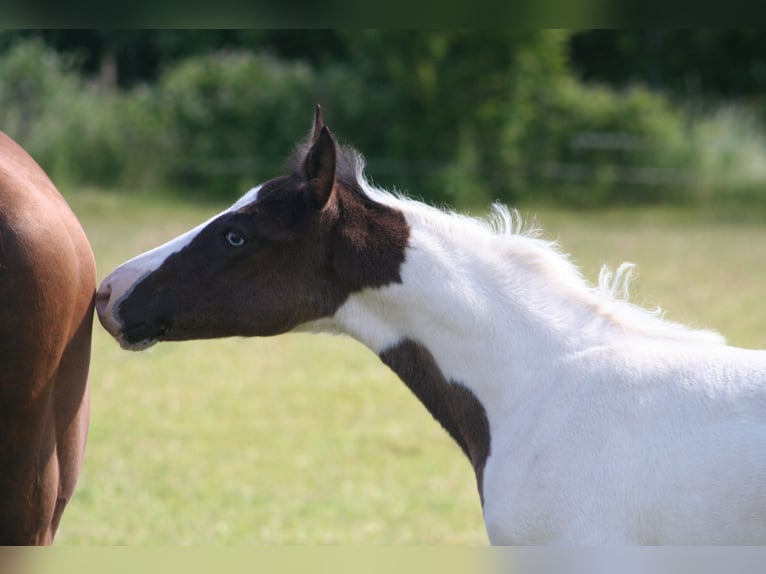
column 102, row 297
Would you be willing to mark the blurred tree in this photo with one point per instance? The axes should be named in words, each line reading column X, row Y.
column 141, row 55
column 428, row 91
column 453, row 116
column 715, row 62
column 689, row 63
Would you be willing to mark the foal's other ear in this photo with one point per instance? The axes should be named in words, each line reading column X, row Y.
column 319, row 167
column 318, row 123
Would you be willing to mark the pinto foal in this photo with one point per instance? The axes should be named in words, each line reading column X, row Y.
column 586, row 419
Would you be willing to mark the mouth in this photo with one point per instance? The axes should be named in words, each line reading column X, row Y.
column 141, row 336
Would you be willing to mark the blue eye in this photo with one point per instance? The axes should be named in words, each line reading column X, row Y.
column 235, row 239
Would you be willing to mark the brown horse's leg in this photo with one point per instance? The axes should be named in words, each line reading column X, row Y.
column 28, row 476
column 71, row 406
column 43, row 442
column 43, row 414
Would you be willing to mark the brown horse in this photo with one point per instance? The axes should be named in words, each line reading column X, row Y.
column 47, row 285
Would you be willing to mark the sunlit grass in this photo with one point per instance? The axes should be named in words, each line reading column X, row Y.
column 310, row 439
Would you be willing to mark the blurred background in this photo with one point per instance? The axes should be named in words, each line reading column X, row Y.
column 637, row 145
column 580, row 117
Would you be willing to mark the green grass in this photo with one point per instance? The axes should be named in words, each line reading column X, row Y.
column 310, row 439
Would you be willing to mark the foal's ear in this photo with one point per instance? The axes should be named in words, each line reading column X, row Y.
column 318, row 123
column 319, row 167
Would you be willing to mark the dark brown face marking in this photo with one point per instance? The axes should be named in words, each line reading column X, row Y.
column 310, row 239
column 455, row 407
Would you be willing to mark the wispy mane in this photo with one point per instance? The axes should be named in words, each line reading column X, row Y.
column 614, row 288
column 609, row 298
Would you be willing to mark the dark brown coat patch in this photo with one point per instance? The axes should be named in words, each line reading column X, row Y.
column 452, row 404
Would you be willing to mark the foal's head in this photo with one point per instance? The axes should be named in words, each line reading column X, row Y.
column 288, row 252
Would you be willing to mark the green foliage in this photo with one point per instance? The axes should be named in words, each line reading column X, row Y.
column 690, row 63
column 232, row 117
column 451, row 116
column 728, row 148
column 33, row 79
column 592, row 144
column 70, row 127
column 440, row 99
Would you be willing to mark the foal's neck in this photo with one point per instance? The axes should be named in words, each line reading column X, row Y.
column 478, row 302
column 460, row 330
column 478, row 307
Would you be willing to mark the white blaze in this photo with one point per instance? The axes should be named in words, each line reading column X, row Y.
column 122, row 280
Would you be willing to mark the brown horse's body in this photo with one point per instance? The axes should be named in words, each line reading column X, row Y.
column 47, row 284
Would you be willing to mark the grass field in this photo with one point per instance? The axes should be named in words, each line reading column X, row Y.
column 309, row 439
